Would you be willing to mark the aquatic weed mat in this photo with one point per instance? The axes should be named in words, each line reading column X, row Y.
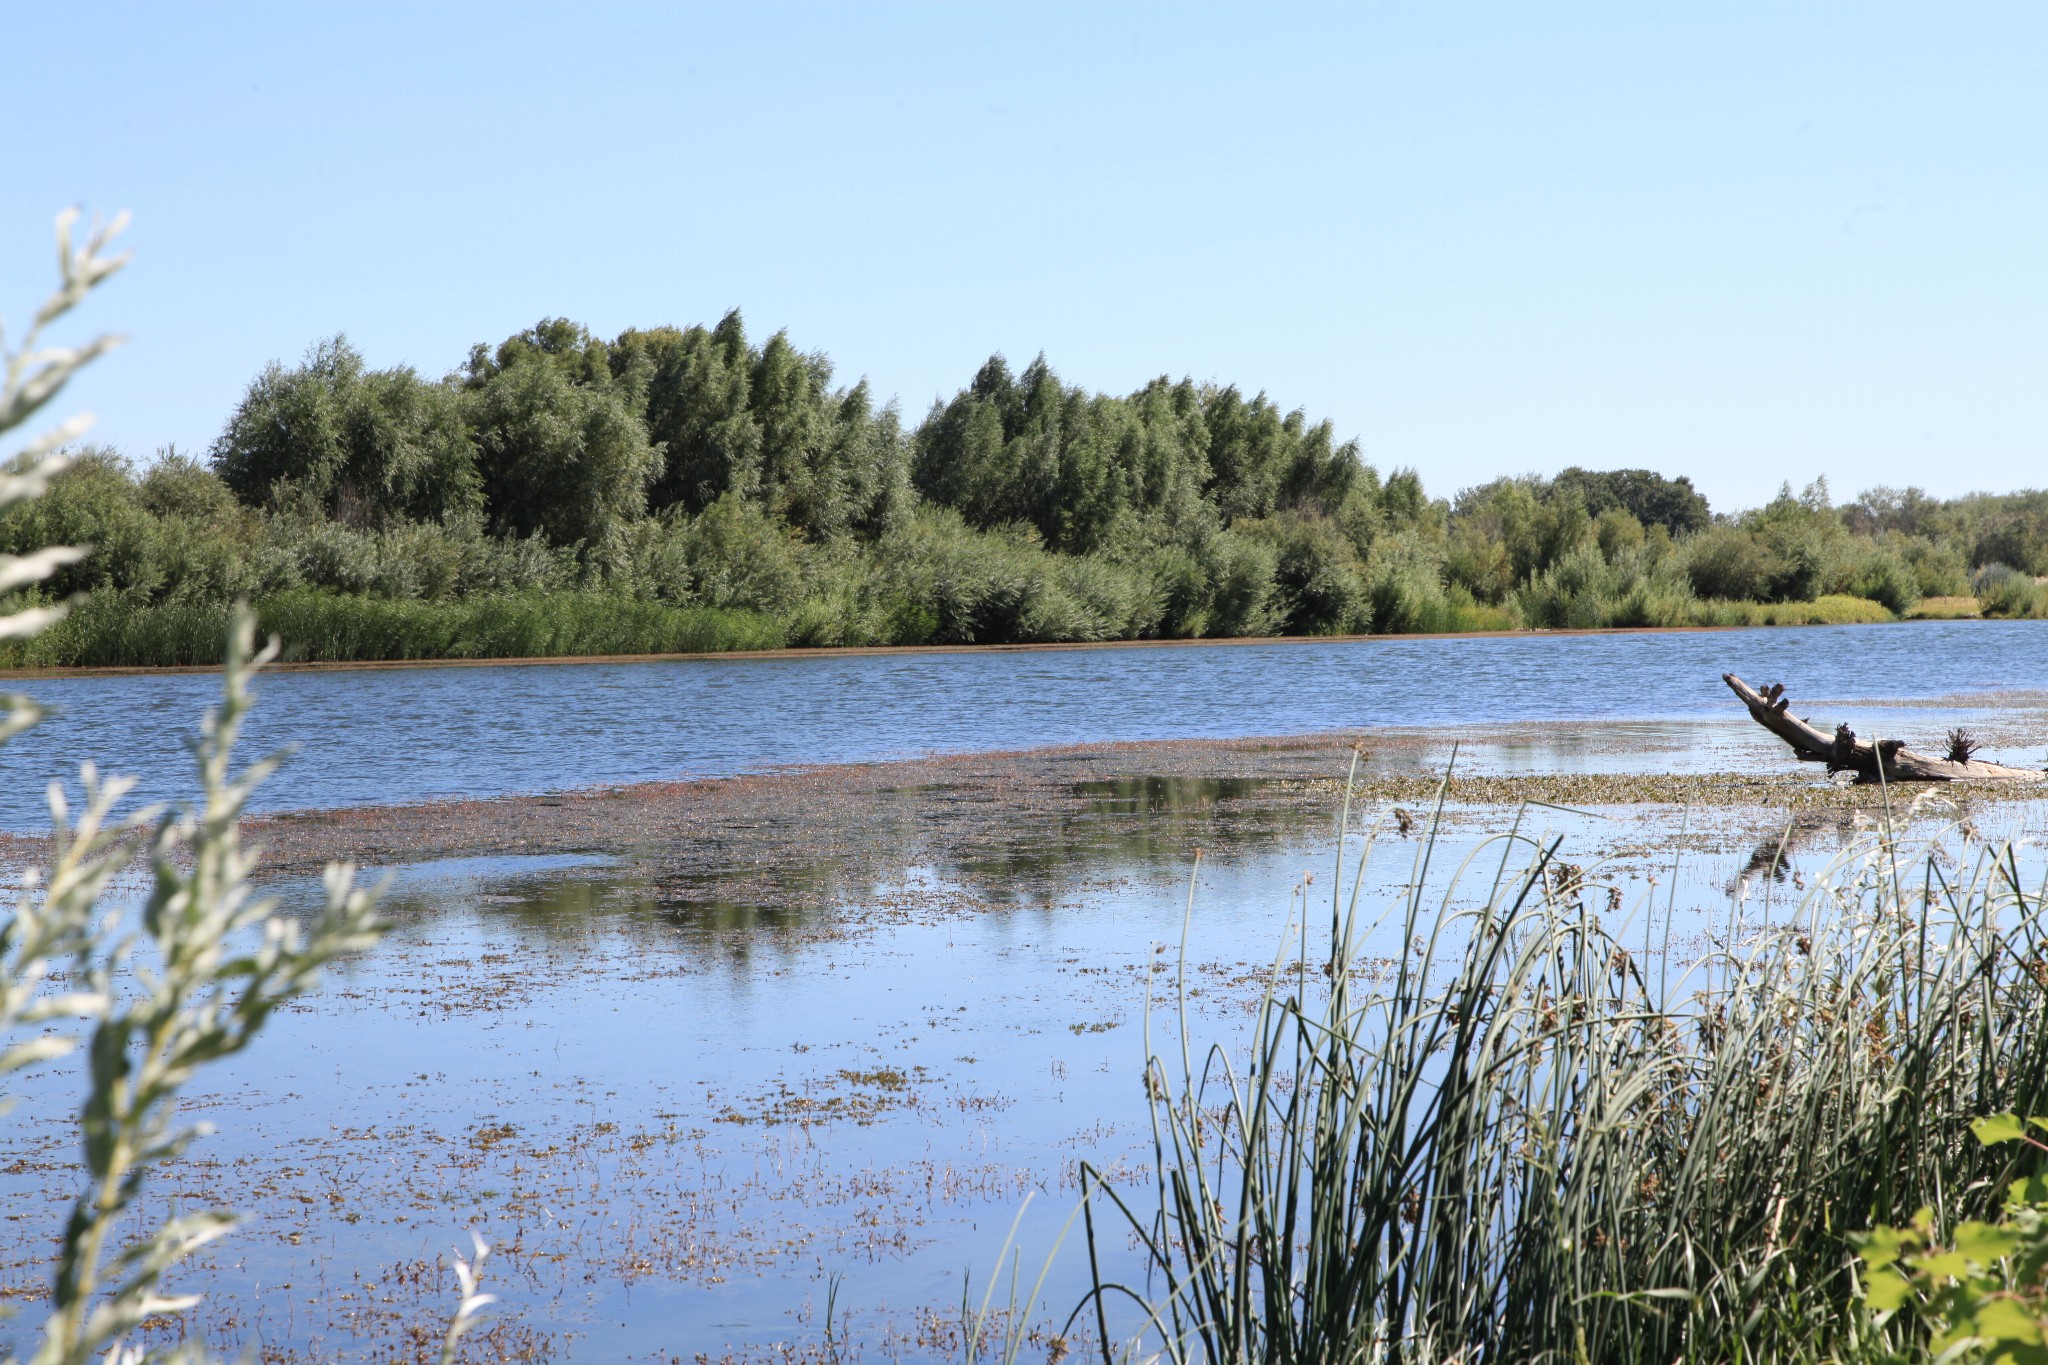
column 842, row 814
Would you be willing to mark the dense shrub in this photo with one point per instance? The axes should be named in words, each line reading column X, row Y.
column 1834, row 609
column 106, row 631
column 1406, row 590
column 937, row 580
column 1881, row 574
column 565, row 460
column 1644, row 496
column 1321, row 587
column 2005, row 591
column 1584, row 590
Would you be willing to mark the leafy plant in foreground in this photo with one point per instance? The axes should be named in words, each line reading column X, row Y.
column 1982, row 1294
column 211, row 962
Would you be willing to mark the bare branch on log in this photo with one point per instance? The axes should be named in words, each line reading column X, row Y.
column 1888, row 759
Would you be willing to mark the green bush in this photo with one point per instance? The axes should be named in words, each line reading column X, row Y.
column 1880, row 573
column 1241, row 600
column 1984, row 1294
column 340, row 439
column 942, row 581
column 1835, row 609
column 2003, row 591
column 741, row 559
column 1727, row 563
column 1584, row 591
column 1938, row 570
column 1406, row 590
column 1320, row 586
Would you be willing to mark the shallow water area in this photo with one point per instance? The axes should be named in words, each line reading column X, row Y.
column 684, row 1124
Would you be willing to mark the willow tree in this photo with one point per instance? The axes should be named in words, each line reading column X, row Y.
column 361, row 445
column 565, row 459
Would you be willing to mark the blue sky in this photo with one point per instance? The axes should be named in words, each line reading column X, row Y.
column 1743, row 243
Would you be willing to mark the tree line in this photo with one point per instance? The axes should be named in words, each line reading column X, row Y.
column 698, row 468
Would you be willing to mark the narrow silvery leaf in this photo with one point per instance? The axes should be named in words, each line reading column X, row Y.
column 32, row 621
column 17, row 570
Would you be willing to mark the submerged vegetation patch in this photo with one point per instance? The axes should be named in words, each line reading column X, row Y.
column 1791, row 790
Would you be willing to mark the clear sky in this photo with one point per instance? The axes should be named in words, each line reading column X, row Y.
column 1743, row 243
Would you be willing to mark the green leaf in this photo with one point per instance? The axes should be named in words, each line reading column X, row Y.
column 2007, row 1321
column 2027, row 1191
column 1881, row 1246
column 1887, row 1290
column 1986, row 1243
column 1998, row 1128
column 1943, row 1265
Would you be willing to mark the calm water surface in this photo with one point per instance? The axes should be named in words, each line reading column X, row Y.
column 396, row 735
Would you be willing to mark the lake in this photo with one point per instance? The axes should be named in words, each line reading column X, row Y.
column 693, row 1097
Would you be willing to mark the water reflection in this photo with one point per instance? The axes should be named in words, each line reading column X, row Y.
column 783, row 893
column 1154, row 795
column 1772, row 856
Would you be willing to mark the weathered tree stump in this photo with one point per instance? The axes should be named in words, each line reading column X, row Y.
column 1887, row 760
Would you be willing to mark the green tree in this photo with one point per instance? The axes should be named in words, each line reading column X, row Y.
column 697, row 409
column 1082, row 469
column 764, row 424
column 176, row 533
column 1502, row 534
column 1727, row 562
column 567, row 460
column 364, row 446
column 558, row 342
column 1320, row 581
column 1644, row 494
column 1261, row 461
column 2011, row 530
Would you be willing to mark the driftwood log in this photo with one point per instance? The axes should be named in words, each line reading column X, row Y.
column 1887, row 760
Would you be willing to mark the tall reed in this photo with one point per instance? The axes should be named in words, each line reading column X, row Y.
column 1531, row 1140
column 324, row 627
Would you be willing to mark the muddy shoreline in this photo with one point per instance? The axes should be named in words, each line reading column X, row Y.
column 962, row 807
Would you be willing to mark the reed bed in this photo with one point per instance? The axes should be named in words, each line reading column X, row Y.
column 1541, row 1133
column 323, row 627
